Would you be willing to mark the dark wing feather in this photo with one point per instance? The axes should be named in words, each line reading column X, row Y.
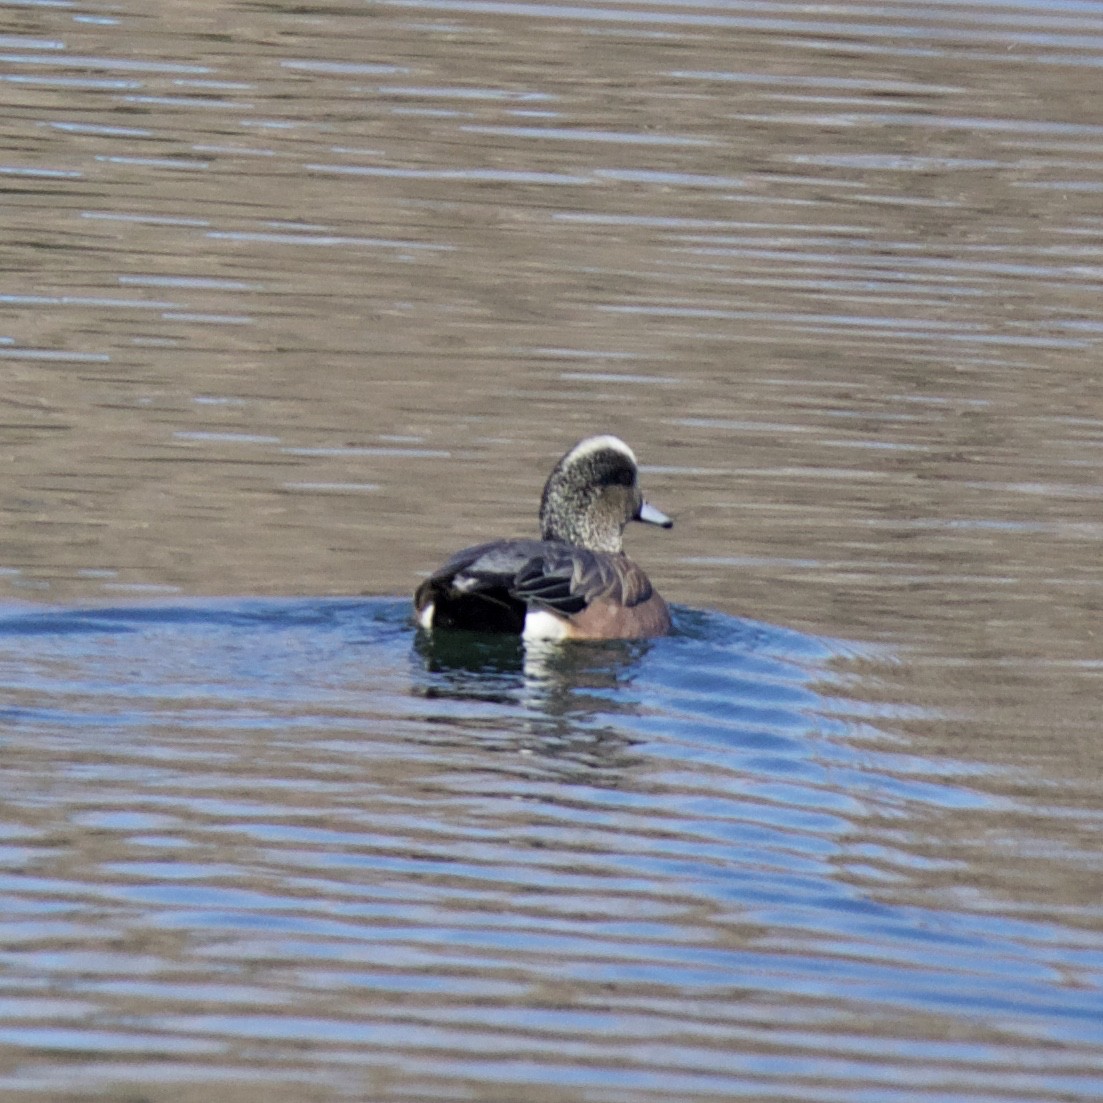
column 513, row 575
column 548, row 582
column 474, row 589
column 496, row 564
column 565, row 579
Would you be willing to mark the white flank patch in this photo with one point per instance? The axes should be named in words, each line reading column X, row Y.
column 540, row 625
column 425, row 617
column 598, row 444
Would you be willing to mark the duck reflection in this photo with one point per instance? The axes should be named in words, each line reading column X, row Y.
column 558, row 701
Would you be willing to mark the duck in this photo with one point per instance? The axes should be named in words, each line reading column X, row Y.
column 575, row 582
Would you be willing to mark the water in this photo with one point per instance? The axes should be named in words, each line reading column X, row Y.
column 282, row 837
column 297, row 301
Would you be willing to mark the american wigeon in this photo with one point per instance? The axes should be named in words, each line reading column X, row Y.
column 573, row 583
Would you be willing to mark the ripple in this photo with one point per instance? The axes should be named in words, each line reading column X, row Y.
column 291, row 784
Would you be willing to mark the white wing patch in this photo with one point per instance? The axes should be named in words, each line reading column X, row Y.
column 542, row 625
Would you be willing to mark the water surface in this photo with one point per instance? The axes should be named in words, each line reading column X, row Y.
column 296, row 301
column 288, row 839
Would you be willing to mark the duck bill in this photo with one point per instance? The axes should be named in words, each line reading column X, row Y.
column 649, row 515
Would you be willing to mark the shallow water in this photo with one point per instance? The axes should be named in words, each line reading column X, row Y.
column 297, row 300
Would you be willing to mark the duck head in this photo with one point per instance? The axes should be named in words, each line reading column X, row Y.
column 592, row 494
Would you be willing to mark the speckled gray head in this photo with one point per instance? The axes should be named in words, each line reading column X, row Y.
column 592, row 493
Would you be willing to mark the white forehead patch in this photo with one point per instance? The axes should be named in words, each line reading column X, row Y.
column 591, row 445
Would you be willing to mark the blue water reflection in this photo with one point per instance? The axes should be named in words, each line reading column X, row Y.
column 230, row 822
